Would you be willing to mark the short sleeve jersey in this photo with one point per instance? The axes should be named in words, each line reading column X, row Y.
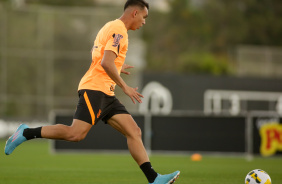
column 113, row 36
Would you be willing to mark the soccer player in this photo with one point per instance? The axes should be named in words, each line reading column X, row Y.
column 97, row 100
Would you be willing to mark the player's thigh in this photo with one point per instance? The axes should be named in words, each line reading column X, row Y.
column 125, row 124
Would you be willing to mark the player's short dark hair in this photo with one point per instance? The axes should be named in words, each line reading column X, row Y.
column 141, row 3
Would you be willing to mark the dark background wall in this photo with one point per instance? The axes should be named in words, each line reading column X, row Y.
column 188, row 90
column 173, row 133
column 169, row 133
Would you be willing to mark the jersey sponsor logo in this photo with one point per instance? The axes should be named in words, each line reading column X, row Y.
column 112, row 88
column 117, row 38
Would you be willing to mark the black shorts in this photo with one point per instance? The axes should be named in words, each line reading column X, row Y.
column 96, row 105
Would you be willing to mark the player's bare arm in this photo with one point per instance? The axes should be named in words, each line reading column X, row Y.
column 109, row 66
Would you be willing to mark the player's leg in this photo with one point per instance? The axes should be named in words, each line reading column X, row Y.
column 126, row 125
column 84, row 118
column 76, row 132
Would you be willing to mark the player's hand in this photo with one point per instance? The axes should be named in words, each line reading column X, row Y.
column 124, row 67
column 133, row 94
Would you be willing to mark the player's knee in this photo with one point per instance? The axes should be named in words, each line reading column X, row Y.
column 137, row 132
column 76, row 138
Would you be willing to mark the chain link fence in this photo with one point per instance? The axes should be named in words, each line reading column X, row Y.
column 263, row 61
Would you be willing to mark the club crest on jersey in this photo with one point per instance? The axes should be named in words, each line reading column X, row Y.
column 117, row 38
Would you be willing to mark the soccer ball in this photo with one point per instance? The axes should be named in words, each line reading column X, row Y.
column 257, row 176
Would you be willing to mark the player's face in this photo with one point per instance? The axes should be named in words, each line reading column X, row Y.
column 140, row 18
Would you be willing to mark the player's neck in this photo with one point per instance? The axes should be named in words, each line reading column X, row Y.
column 126, row 21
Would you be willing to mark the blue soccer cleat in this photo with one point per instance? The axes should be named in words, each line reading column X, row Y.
column 167, row 178
column 15, row 140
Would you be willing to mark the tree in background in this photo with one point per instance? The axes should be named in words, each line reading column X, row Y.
column 264, row 22
column 198, row 39
column 56, row 2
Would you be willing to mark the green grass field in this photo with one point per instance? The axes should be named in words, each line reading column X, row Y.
column 31, row 163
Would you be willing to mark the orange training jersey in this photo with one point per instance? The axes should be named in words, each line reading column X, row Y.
column 113, row 36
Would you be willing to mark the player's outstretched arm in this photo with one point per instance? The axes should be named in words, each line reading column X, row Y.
column 109, row 66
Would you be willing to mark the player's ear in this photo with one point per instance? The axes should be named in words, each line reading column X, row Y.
column 134, row 13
